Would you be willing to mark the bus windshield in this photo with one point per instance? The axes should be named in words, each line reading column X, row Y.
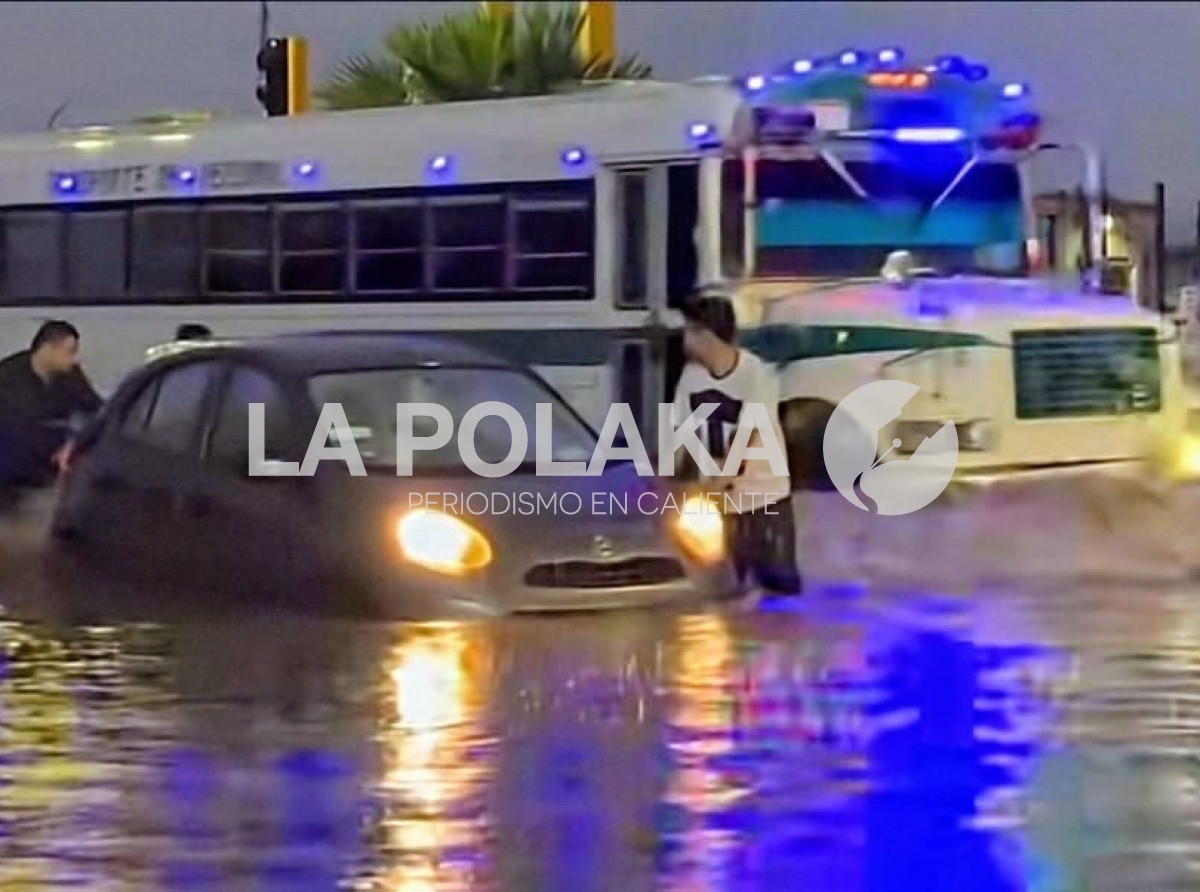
column 953, row 215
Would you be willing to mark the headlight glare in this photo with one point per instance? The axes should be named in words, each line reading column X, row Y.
column 442, row 543
column 700, row 529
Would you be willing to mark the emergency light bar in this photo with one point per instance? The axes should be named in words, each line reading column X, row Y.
column 899, row 80
column 929, row 135
column 860, row 95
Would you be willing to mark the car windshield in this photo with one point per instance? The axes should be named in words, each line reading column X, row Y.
column 370, row 397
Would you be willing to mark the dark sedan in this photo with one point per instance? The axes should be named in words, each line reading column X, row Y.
column 161, row 487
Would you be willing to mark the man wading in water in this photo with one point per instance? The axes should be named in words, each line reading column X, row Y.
column 757, row 503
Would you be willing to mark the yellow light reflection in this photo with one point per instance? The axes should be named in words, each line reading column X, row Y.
column 434, row 780
column 1188, row 461
column 703, row 684
column 50, row 763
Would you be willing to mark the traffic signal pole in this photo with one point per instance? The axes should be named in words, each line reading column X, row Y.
column 283, row 76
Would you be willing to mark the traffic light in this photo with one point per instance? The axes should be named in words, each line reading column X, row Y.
column 283, row 76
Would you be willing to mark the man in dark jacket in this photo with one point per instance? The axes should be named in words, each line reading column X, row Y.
column 41, row 389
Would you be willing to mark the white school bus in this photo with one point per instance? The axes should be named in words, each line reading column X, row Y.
column 561, row 231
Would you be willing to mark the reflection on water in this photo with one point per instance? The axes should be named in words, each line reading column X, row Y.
column 846, row 743
column 437, row 760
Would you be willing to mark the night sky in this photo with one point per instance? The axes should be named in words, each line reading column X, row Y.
column 1123, row 75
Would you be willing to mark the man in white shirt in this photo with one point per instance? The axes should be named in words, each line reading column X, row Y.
column 757, row 502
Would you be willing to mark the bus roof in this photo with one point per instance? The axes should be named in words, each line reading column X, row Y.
column 500, row 140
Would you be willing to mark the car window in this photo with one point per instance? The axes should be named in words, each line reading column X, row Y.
column 229, row 446
column 175, row 414
column 369, row 399
column 134, row 421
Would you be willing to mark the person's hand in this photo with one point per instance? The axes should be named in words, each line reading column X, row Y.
column 62, row 458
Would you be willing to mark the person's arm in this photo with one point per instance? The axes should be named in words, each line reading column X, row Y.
column 82, row 397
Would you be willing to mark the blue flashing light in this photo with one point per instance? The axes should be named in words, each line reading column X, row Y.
column 849, row 58
column 185, row 176
column 929, row 135
column 574, row 156
column 889, row 56
column 66, row 184
column 702, row 133
column 803, row 66
column 1015, row 91
column 755, row 82
column 949, row 64
column 439, row 168
column 976, row 72
column 305, row 170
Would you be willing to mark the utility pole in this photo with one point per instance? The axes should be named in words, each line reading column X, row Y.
column 1160, row 247
column 599, row 37
column 498, row 9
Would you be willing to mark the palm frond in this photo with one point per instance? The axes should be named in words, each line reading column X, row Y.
column 462, row 57
column 471, row 56
column 366, row 82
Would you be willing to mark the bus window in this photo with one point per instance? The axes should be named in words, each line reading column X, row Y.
column 166, row 252
column 237, row 250
column 551, row 253
column 683, row 210
column 33, row 263
column 96, row 251
column 631, row 369
column 389, row 243
column 469, row 235
column 633, row 281
column 312, row 249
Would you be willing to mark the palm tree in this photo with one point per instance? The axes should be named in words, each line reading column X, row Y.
column 470, row 56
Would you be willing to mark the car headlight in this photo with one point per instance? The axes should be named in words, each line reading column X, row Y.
column 976, row 435
column 701, row 529
column 1187, row 458
column 442, row 543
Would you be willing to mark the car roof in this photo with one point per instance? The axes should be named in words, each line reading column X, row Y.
column 317, row 352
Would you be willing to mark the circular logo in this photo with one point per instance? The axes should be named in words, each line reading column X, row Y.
column 856, row 469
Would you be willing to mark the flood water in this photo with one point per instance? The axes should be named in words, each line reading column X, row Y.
column 974, row 730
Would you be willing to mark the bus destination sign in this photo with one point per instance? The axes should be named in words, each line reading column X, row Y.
column 171, row 179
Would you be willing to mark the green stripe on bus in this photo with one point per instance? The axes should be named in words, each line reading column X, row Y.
column 775, row 343
column 548, row 347
column 780, row 343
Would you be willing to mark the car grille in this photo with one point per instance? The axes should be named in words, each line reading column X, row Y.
column 1071, row 373
column 610, row 574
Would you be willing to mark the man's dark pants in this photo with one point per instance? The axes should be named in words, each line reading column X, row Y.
column 763, row 545
column 27, row 453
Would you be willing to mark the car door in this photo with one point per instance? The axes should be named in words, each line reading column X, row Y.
column 259, row 528
column 157, row 450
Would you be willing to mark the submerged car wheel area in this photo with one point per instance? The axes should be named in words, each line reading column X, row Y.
column 162, row 489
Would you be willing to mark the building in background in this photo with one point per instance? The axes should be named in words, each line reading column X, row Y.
column 1129, row 237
